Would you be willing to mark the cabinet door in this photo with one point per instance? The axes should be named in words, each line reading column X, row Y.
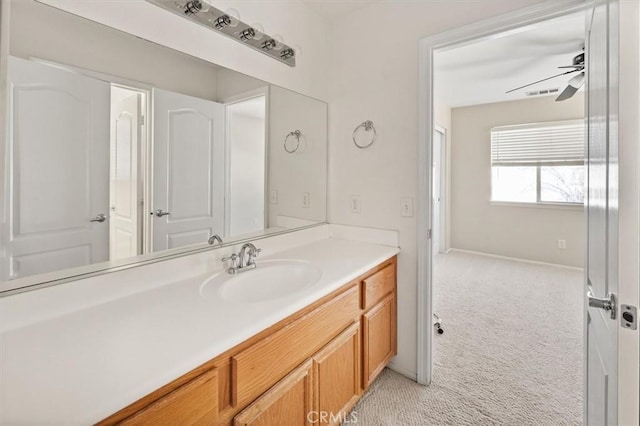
column 289, row 402
column 379, row 332
column 337, row 376
column 194, row 403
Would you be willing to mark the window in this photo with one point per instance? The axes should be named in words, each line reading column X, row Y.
column 538, row 163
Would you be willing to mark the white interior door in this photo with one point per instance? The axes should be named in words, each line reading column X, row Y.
column 188, row 170
column 124, row 232
column 59, row 173
column 602, row 215
column 437, row 196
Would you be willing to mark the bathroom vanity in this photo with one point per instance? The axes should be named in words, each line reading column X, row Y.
column 205, row 347
column 318, row 360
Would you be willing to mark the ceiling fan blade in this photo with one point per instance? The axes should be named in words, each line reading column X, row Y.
column 544, row 79
column 568, row 92
column 572, row 87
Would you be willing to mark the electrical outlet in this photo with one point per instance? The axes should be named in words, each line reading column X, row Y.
column 306, row 200
column 273, row 197
column 355, row 204
column 562, row 244
column 406, row 207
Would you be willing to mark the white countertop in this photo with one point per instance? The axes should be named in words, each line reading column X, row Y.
column 86, row 364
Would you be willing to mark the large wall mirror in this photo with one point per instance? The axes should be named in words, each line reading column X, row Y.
column 121, row 150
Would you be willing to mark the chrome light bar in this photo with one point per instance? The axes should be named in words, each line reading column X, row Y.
column 201, row 12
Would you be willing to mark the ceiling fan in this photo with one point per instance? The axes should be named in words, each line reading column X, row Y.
column 573, row 85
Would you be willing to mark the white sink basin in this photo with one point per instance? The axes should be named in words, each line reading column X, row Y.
column 271, row 279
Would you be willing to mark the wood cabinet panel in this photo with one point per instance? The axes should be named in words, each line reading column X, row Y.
column 194, row 403
column 337, row 373
column 378, row 285
column 263, row 364
column 288, row 403
column 379, row 338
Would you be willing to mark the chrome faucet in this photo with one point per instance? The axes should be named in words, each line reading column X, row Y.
column 214, row 238
column 243, row 261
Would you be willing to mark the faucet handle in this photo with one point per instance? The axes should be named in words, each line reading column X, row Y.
column 233, row 258
column 257, row 252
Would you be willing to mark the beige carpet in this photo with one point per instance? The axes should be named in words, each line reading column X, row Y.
column 511, row 353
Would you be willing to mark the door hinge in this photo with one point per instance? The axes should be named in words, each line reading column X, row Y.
column 428, row 234
column 142, row 120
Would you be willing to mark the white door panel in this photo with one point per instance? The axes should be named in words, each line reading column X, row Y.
column 59, row 150
column 602, row 211
column 188, row 169
column 125, row 234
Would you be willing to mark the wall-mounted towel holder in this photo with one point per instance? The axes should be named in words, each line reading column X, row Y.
column 367, row 126
column 296, row 134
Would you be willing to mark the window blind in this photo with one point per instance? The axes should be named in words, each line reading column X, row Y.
column 552, row 142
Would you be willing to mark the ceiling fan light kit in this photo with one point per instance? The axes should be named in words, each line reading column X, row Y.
column 573, row 85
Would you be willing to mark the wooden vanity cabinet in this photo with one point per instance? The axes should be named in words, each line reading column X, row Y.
column 337, row 371
column 379, row 322
column 194, row 403
column 288, row 403
column 309, row 368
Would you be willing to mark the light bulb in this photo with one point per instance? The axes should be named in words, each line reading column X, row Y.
column 196, row 6
column 279, row 41
column 258, row 31
column 254, row 32
column 234, row 17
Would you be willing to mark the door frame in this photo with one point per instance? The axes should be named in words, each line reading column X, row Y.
column 228, row 101
column 483, row 30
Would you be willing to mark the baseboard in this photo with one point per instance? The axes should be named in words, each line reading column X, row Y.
column 516, row 259
column 406, row 373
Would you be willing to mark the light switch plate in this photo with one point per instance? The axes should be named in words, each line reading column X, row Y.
column 273, row 197
column 406, row 207
column 306, row 200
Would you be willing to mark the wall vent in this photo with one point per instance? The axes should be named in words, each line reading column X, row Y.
column 542, row 92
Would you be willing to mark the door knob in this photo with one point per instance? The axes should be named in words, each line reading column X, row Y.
column 161, row 213
column 608, row 303
column 99, row 218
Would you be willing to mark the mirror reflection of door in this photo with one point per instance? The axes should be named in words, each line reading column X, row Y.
column 246, row 149
column 188, row 170
column 125, row 226
column 59, row 122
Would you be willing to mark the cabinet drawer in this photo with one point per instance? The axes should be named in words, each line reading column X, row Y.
column 257, row 368
column 194, row 403
column 378, row 285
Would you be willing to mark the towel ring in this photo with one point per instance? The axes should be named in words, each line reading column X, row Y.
column 297, row 135
column 367, row 126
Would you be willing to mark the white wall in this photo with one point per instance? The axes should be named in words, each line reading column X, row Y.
column 374, row 76
column 515, row 231
column 298, row 23
column 305, row 170
column 43, row 32
column 247, row 152
column 231, row 83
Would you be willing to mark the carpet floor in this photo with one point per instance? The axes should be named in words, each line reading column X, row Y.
column 511, row 353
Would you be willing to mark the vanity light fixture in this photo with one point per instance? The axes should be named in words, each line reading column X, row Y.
column 229, row 24
column 195, row 6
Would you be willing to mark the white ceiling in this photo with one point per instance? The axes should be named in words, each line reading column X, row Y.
column 482, row 72
column 332, row 9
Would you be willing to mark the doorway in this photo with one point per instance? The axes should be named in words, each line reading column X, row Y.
column 126, row 200
column 494, row 29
